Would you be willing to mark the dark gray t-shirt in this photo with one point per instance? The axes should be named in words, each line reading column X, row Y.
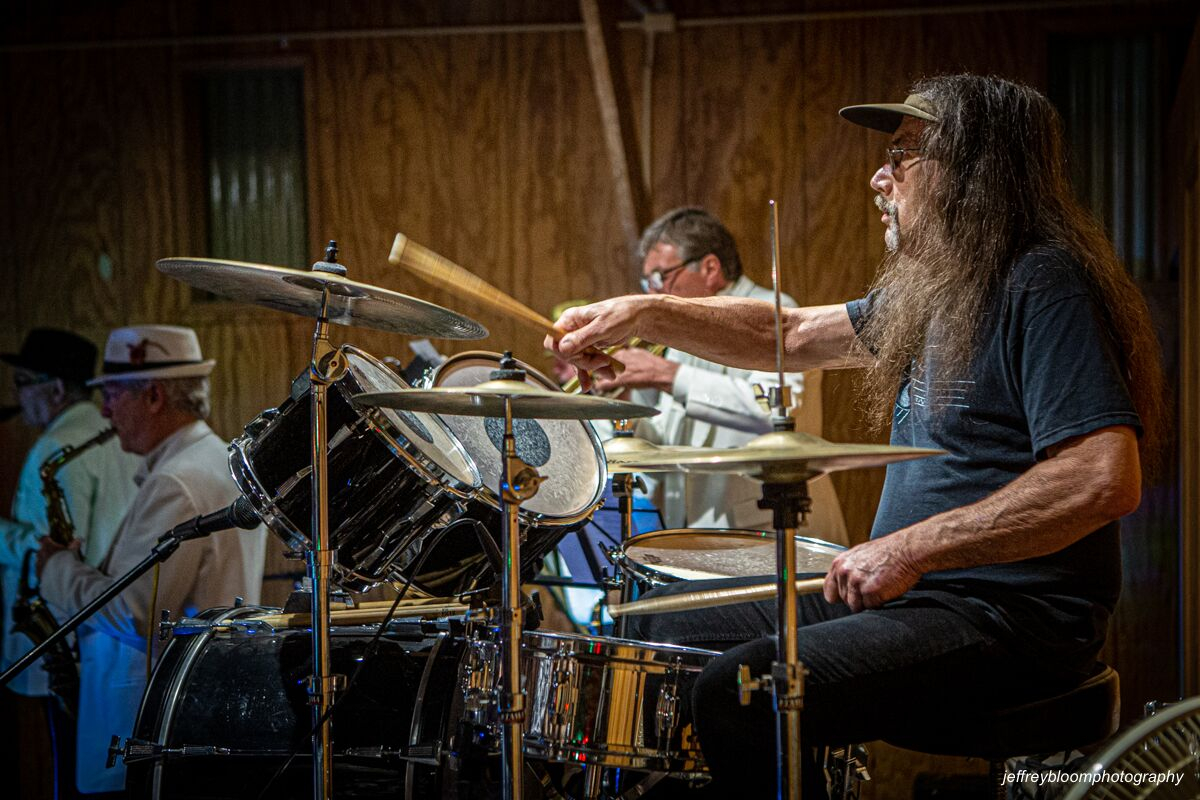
column 1046, row 370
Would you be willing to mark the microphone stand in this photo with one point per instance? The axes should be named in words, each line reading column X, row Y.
column 167, row 544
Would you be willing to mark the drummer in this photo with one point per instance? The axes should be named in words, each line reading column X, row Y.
column 687, row 252
column 1002, row 329
column 156, row 394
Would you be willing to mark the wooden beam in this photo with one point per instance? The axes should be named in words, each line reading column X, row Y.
column 612, row 93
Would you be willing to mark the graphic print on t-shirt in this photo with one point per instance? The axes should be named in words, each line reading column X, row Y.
column 935, row 395
column 941, row 394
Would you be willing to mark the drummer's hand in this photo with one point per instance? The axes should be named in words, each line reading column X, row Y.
column 48, row 548
column 643, row 370
column 601, row 325
column 870, row 574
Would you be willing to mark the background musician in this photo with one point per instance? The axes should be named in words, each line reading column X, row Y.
column 1002, row 329
column 155, row 388
column 50, row 375
column 688, row 253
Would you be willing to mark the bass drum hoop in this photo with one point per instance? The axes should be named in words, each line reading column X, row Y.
column 435, row 379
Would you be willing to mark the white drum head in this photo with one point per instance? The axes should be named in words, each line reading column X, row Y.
column 567, row 453
column 425, row 432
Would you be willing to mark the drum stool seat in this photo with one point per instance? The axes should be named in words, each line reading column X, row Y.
column 1069, row 719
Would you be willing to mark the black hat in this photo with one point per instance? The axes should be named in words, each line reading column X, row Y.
column 59, row 354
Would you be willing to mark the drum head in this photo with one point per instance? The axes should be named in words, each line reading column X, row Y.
column 424, row 432
column 700, row 554
column 567, row 453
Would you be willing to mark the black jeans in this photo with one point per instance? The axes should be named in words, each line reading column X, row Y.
column 870, row 675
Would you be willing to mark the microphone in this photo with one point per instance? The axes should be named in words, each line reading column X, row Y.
column 239, row 514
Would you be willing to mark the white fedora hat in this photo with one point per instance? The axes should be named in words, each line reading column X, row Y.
column 152, row 351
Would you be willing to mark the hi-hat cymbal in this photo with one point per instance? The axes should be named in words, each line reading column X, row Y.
column 296, row 292
column 779, row 457
column 488, row 399
column 621, row 448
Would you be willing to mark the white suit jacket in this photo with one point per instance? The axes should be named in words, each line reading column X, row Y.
column 98, row 488
column 713, row 405
column 185, row 476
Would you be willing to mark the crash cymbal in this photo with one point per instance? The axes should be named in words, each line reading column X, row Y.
column 708, row 598
column 778, row 457
column 620, row 448
column 296, row 292
column 487, row 400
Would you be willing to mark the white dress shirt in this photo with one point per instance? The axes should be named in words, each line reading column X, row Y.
column 185, row 476
column 97, row 487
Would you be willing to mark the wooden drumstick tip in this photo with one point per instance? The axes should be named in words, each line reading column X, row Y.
column 395, row 258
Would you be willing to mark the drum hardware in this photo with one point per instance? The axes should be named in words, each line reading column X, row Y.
column 846, row 771
column 445, row 274
column 135, row 750
column 326, row 295
column 507, row 395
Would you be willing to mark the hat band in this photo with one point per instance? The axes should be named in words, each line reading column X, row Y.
column 117, row 367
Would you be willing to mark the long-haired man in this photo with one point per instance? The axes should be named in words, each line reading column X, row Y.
column 1001, row 329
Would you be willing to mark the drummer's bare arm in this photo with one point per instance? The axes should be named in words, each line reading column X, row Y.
column 1086, row 482
column 736, row 331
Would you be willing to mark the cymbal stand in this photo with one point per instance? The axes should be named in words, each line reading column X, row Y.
column 326, row 367
column 787, row 497
column 624, row 484
column 519, row 482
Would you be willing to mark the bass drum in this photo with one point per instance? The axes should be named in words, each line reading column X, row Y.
column 567, row 453
column 227, row 711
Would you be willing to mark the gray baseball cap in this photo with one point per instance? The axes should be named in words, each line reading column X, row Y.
column 887, row 117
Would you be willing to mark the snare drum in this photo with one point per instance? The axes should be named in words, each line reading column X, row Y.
column 397, row 480
column 227, row 709
column 612, row 702
column 567, row 453
column 684, row 554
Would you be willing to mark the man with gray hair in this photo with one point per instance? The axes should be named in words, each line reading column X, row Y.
column 155, row 388
column 687, row 252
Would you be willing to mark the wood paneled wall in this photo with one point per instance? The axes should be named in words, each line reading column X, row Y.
column 485, row 147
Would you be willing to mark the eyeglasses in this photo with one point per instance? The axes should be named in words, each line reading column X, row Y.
column 656, row 280
column 895, row 155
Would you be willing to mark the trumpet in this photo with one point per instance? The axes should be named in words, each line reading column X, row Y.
column 572, row 385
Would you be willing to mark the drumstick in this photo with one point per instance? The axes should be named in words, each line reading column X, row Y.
column 441, row 271
column 707, row 598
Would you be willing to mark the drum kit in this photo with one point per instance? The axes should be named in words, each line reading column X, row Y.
column 453, row 491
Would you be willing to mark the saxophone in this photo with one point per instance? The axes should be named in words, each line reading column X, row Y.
column 31, row 615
